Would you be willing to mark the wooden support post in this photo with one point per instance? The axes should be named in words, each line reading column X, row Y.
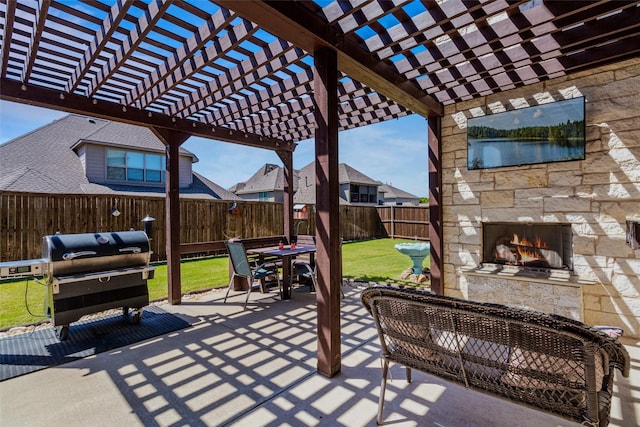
column 328, row 260
column 435, row 205
column 287, row 161
column 172, row 140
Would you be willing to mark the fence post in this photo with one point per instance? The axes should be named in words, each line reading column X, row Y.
column 393, row 222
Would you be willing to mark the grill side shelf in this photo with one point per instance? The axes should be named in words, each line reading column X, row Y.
column 103, row 276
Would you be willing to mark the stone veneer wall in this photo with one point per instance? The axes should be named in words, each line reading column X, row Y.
column 596, row 195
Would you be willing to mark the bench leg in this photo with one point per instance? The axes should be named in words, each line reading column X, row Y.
column 383, row 388
column 408, row 375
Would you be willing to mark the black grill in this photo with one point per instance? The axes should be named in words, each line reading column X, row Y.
column 92, row 272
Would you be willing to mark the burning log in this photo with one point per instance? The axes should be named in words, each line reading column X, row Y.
column 531, row 253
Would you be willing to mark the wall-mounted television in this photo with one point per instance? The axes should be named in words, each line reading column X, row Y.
column 553, row 132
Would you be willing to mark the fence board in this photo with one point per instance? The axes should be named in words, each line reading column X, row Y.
column 27, row 217
column 405, row 222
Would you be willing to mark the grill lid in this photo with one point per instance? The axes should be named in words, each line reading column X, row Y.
column 68, row 247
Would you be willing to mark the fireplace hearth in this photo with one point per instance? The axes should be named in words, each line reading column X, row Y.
column 530, row 246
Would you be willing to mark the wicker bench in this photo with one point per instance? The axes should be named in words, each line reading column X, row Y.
column 548, row 362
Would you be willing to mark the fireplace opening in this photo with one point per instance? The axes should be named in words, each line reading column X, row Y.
column 529, row 246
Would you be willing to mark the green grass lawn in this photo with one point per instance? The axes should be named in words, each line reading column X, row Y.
column 22, row 302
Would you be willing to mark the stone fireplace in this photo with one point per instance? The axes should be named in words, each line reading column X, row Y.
column 527, row 265
column 556, row 237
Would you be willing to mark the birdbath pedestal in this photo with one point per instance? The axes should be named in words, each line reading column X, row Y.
column 417, row 252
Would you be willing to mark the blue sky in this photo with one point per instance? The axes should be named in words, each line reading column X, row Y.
column 393, row 152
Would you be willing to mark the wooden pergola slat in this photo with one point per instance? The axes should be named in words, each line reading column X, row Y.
column 155, row 85
column 289, row 21
column 143, row 27
column 109, row 25
column 7, row 34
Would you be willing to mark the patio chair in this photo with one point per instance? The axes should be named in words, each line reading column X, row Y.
column 242, row 268
column 303, row 269
column 302, row 266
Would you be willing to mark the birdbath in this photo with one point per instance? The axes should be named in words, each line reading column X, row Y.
column 417, row 252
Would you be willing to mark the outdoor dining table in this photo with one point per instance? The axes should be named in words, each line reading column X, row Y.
column 287, row 254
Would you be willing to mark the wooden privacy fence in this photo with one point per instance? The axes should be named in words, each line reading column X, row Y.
column 26, row 217
column 405, row 222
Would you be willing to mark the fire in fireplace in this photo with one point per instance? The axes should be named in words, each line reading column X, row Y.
column 539, row 246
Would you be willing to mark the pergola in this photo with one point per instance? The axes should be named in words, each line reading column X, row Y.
column 272, row 74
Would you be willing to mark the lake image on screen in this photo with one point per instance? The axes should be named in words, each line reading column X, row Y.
column 546, row 133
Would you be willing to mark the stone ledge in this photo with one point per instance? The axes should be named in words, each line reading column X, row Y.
column 554, row 277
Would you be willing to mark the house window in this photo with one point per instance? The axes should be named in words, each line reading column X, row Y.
column 362, row 193
column 263, row 196
column 135, row 166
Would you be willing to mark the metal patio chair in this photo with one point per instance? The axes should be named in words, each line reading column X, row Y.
column 242, row 268
column 303, row 266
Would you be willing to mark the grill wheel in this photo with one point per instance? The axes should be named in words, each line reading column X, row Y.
column 62, row 332
column 135, row 315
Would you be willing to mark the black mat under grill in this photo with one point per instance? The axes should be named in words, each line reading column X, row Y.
column 24, row 353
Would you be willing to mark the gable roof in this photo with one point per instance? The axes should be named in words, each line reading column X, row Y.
column 269, row 177
column 391, row 192
column 121, row 135
column 44, row 159
column 349, row 175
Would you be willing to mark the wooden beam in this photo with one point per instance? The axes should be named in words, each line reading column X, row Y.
column 287, row 161
column 34, row 95
column 172, row 140
column 435, row 205
column 9, row 17
column 599, row 31
column 628, row 47
column 36, row 35
column 299, row 26
column 328, row 256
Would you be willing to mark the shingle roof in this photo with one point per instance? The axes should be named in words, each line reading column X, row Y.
column 201, row 182
column 347, row 174
column 43, row 160
column 306, row 185
column 391, row 192
column 269, row 177
column 124, row 135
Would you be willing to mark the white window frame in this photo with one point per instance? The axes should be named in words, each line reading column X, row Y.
column 145, row 168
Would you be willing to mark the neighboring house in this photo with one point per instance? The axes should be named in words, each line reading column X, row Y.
column 355, row 187
column 82, row 155
column 395, row 196
column 266, row 185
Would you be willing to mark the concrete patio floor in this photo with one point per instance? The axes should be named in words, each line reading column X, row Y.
column 258, row 368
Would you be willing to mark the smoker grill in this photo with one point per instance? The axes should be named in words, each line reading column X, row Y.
column 92, row 272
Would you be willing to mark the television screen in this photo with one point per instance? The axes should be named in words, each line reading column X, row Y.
column 553, row 132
